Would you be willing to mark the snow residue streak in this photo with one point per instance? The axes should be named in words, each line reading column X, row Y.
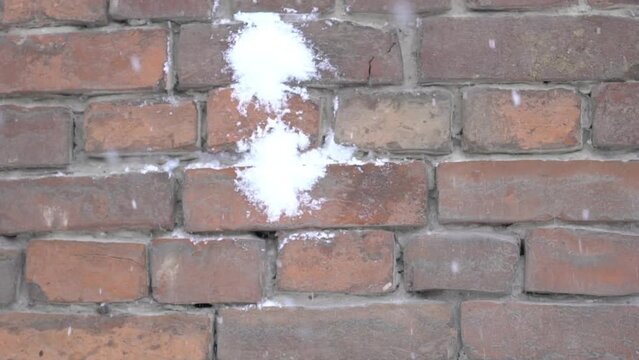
column 266, row 55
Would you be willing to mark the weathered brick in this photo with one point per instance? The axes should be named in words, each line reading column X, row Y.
column 359, row 54
column 518, row 4
column 60, row 271
column 35, row 137
column 385, row 331
column 399, row 121
column 161, row 9
column 46, row 12
column 607, row 4
column 129, row 201
column 616, row 116
column 226, row 270
column 27, row 336
column 138, row 126
column 357, row 262
column 582, row 262
column 527, row 330
column 10, row 264
column 401, row 8
column 460, row 261
column 389, row 195
column 200, row 55
column 530, row 48
column 304, row 6
column 226, row 126
column 504, row 192
column 83, row 61
column 521, row 121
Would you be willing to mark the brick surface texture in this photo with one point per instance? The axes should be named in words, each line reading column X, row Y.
column 486, row 206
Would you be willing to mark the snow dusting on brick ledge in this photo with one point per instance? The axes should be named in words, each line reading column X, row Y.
column 283, row 179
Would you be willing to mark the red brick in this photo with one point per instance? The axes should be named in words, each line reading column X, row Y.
column 582, row 262
column 130, row 201
column 607, row 4
column 60, row 271
column 200, row 55
column 518, row 4
column 304, row 6
column 397, row 121
column 543, row 120
column 389, row 195
column 161, row 9
column 504, row 192
column 356, row 262
column 35, row 137
column 46, row 12
column 395, row 7
column 531, row 48
column 226, row 270
column 527, row 330
column 227, row 126
column 359, row 54
column 10, row 265
column 616, row 116
column 83, row 61
column 385, row 331
column 27, row 336
column 138, row 126
column 460, row 261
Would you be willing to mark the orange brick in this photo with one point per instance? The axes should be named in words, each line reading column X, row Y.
column 59, row 271
column 46, row 12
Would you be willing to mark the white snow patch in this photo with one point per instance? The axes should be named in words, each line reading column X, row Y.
column 265, row 55
column 135, row 63
column 454, row 267
column 516, row 98
column 585, row 214
column 281, row 170
column 491, row 43
column 69, row 331
column 150, row 168
column 170, row 166
column 134, row 204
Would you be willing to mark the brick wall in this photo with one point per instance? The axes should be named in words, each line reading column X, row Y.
column 504, row 225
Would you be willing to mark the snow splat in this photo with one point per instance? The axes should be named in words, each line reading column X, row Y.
column 266, row 55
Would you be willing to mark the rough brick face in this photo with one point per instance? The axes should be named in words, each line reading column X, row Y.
column 521, row 121
column 79, row 271
column 141, row 125
column 131, row 201
column 518, row 4
column 393, row 7
column 83, row 61
column 27, row 336
column 552, row 48
column 582, row 262
column 161, row 9
column 10, row 264
column 22, row 127
column 390, row 195
column 200, row 55
column 397, row 121
column 526, row 330
column 304, row 6
column 616, row 116
column 347, row 262
column 359, row 54
column 216, row 271
column 460, row 261
column 406, row 331
column 226, row 126
column 504, row 192
column 45, row 12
